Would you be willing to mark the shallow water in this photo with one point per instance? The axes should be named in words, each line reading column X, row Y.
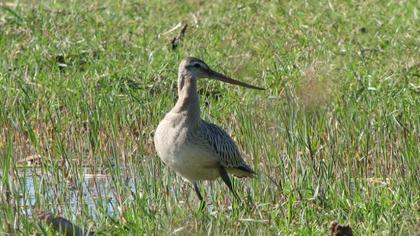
column 92, row 192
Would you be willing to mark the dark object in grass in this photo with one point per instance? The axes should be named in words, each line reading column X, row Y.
column 61, row 225
column 341, row 230
column 363, row 30
column 61, row 61
column 176, row 40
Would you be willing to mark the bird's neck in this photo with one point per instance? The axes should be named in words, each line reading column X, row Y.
column 188, row 100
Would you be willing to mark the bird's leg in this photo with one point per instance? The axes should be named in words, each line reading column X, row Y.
column 197, row 191
column 226, row 179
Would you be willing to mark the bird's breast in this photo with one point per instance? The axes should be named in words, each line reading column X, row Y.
column 171, row 137
column 176, row 148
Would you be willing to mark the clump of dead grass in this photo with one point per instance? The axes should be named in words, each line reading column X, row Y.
column 317, row 85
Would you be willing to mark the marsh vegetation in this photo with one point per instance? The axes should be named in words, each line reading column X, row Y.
column 335, row 137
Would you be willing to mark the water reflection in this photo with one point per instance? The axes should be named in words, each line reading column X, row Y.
column 32, row 188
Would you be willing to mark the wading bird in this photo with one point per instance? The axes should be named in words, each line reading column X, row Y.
column 194, row 148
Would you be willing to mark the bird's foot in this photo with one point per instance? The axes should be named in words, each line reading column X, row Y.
column 203, row 206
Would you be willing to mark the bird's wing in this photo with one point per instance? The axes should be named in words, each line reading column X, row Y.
column 220, row 144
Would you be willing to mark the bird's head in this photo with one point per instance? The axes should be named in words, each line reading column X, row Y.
column 198, row 69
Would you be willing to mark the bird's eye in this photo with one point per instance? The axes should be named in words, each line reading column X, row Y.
column 197, row 65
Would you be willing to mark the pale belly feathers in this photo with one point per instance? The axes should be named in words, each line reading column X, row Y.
column 173, row 147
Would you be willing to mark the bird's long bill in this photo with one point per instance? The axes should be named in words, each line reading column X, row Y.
column 223, row 78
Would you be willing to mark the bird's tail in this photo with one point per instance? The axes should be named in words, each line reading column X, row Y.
column 241, row 171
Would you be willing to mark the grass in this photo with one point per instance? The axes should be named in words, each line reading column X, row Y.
column 334, row 137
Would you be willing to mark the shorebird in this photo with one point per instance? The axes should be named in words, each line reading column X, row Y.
column 192, row 147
